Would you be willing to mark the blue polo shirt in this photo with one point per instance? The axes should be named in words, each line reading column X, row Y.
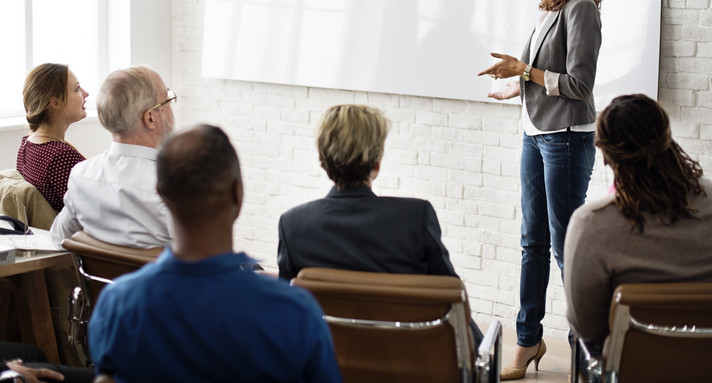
column 209, row 321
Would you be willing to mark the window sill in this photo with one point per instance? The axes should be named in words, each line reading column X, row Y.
column 12, row 124
column 16, row 124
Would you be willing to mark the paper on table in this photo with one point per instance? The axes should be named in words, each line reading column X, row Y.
column 40, row 240
column 6, row 225
column 7, row 255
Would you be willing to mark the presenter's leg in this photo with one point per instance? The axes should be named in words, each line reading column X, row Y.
column 555, row 172
column 567, row 177
column 535, row 241
column 568, row 164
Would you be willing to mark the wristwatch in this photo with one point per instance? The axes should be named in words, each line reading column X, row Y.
column 527, row 75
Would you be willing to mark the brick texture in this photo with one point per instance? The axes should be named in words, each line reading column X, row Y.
column 461, row 156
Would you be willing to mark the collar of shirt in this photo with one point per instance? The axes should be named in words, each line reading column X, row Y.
column 217, row 264
column 129, row 150
column 359, row 191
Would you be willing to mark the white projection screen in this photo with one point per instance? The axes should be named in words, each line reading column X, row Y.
column 432, row 48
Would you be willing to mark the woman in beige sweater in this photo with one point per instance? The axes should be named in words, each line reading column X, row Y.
column 656, row 227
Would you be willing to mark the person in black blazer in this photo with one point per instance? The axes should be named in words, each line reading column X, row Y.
column 352, row 228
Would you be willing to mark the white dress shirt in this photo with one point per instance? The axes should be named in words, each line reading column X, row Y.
column 113, row 198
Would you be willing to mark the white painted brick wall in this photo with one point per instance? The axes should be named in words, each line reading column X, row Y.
column 461, row 156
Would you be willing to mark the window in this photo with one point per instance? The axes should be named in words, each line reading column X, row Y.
column 40, row 31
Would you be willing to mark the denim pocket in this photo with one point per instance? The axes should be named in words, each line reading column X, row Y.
column 556, row 139
column 589, row 149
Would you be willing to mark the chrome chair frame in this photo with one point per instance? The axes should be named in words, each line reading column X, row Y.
column 12, row 376
column 488, row 364
column 80, row 308
column 481, row 365
column 82, row 299
column 607, row 370
column 453, row 317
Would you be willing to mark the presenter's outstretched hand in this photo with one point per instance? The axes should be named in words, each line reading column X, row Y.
column 511, row 90
column 506, row 67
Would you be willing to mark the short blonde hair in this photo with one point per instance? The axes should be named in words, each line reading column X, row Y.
column 350, row 141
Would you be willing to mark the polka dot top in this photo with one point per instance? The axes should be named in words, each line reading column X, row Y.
column 47, row 166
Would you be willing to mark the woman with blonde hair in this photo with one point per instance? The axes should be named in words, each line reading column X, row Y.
column 655, row 228
column 53, row 101
column 352, row 228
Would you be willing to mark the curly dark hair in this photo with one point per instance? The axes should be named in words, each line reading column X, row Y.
column 652, row 173
column 555, row 5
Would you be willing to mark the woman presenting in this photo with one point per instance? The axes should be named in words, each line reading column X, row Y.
column 557, row 73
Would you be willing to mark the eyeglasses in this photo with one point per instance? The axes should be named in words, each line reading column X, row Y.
column 171, row 98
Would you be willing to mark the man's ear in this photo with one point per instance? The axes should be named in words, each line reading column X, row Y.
column 237, row 194
column 149, row 120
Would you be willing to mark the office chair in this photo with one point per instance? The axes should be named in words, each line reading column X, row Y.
column 11, row 377
column 21, row 200
column 402, row 328
column 659, row 332
column 98, row 263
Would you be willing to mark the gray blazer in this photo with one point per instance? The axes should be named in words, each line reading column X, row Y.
column 568, row 44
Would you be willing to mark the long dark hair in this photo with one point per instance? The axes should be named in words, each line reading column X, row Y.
column 555, row 5
column 652, row 172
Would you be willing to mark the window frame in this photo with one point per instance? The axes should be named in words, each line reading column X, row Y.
column 15, row 119
column 131, row 32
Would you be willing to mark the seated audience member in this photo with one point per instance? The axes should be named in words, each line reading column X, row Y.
column 113, row 196
column 654, row 228
column 199, row 314
column 352, row 228
column 31, row 363
column 53, row 100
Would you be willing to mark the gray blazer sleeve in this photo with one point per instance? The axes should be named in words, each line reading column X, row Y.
column 584, row 40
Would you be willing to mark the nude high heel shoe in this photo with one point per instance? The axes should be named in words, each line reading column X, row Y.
column 512, row 373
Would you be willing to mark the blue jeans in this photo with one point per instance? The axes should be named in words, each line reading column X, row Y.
column 555, row 171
